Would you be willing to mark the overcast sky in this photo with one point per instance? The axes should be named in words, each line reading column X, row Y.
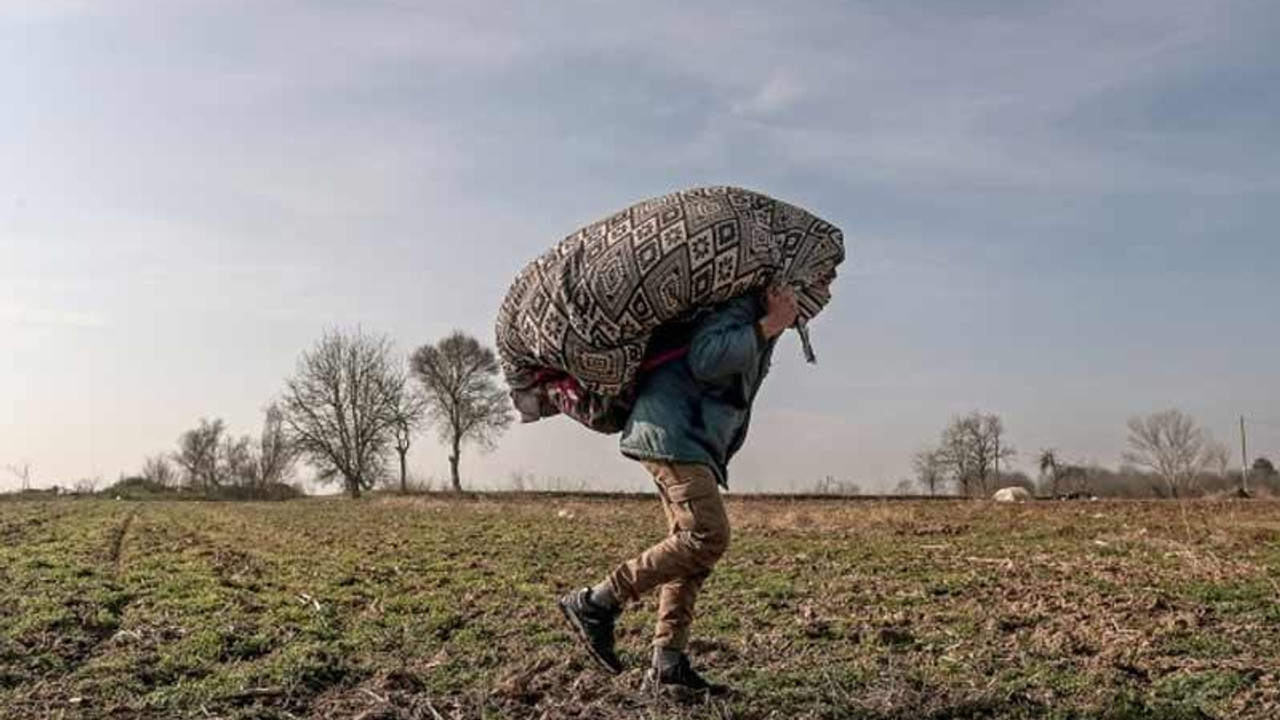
column 1064, row 213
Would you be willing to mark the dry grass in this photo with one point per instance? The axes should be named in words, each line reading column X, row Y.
column 434, row 607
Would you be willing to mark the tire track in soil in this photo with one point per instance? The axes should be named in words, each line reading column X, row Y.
column 117, row 542
column 115, row 556
column 52, row 696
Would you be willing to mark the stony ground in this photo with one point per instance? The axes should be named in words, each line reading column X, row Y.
column 443, row 608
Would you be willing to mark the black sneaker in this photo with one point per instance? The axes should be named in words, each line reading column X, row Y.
column 681, row 676
column 594, row 626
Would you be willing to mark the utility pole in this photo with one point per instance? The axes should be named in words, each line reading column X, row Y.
column 1244, row 459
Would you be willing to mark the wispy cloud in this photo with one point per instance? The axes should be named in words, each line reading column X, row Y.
column 778, row 93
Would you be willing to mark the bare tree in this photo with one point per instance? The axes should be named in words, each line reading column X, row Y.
column 1049, row 468
column 957, row 455
column 929, row 469
column 410, row 411
column 1061, row 478
column 21, row 473
column 521, row 480
column 198, row 451
column 1170, row 444
column 238, row 464
column 993, row 429
column 1075, row 478
column 829, row 485
column 462, row 395
column 971, row 450
column 340, row 407
column 159, row 470
column 275, row 454
column 1217, row 456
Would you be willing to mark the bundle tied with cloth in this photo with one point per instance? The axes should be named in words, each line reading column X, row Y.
column 583, row 322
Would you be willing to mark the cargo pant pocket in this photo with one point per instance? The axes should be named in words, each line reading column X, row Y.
column 696, row 509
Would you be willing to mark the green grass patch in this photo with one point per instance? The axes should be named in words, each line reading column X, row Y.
column 405, row 608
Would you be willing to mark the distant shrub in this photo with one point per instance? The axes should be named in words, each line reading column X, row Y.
column 32, row 494
column 829, row 485
column 269, row 491
column 137, row 488
column 140, row 488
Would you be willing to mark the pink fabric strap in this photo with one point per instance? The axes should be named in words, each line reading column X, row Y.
column 663, row 358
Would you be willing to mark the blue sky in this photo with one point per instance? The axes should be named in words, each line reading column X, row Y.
column 1064, row 213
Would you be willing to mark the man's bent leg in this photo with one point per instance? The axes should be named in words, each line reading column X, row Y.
column 699, row 535
column 675, row 612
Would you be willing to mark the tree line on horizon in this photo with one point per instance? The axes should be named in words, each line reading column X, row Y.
column 1170, row 456
column 353, row 406
column 351, row 411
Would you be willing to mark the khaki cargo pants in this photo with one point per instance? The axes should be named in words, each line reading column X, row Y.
column 698, row 535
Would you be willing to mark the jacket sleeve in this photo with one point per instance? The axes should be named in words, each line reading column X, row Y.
column 728, row 342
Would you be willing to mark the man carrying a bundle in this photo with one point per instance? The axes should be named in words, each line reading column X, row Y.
column 690, row 417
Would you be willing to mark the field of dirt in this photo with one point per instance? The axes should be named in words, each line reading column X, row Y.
column 438, row 607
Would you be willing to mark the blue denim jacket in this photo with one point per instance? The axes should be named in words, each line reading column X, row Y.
column 697, row 409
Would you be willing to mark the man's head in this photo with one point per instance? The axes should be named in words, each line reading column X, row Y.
column 818, row 290
column 824, row 281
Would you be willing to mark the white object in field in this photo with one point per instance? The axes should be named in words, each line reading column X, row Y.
column 1012, row 494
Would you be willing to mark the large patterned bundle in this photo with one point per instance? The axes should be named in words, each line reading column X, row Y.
column 588, row 306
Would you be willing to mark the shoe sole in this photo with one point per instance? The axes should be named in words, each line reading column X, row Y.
column 581, row 632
